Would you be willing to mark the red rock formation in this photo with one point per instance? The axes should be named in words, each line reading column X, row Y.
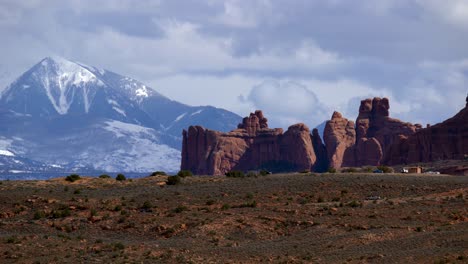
column 340, row 136
column 252, row 146
column 446, row 140
column 377, row 139
column 296, row 147
column 376, row 131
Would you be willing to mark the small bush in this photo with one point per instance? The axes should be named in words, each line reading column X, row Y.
column 385, row 169
column 210, row 202
column 349, row 170
column 119, row 246
column 180, row 209
column 77, row 191
column 305, row 171
column 225, row 207
column 147, row 205
column 60, row 213
column 331, row 170
column 184, row 173
column 354, row 204
column 39, row 214
column 251, row 174
column 104, row 176
column 264, row 172
column 235, row 174
column 320, row 199
column 158, row 173
column 12, row 240
column 252, row 204
column 73, row 177
column 173, row 180
column 121, row 177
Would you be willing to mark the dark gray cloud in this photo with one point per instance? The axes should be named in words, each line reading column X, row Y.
column 413, row 51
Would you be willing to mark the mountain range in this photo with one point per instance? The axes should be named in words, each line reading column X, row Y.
column 78, row 116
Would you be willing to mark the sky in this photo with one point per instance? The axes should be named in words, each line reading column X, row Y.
column 297, row 60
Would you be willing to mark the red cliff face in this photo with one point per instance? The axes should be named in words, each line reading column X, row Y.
column 376, row 131
column 369, row 141
column 252, row 146
column 446, row 140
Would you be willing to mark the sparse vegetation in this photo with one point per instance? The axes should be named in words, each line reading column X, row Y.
column 104, row 176
column 146, row 221
column 349, row 170
column 158, row 173
column 60, row 213
column 385, row 169
column 184, row 173
column 173, row 180
column 147, row 205
column 354, row 204
column 331, row 170
column 73, row 178
column 120, row 177
column 235, row 174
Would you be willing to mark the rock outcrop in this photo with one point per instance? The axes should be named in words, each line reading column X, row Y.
column 374, row 139
column 446, row 140
column 376, row 131
column 340, row 137
column 367, row 142
column 249, row 147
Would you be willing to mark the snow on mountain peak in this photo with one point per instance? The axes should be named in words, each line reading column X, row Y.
column 6, row 153
column 59, row 78
column 142, row 91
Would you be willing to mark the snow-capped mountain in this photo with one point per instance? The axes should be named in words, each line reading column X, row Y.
column 68, row 113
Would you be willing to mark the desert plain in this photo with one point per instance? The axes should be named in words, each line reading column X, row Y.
column 279, row 218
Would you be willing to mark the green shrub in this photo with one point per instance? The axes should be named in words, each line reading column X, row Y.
column 235, row 174
column 251, row 174
column 147, row 205
column 184, row 173
column 354, row 204
column 225, row 207
column 119, row 246
column 60, row 213
column 264, row 172
column 385, row 169
column 349, row 170
column 305, row 171
column 73, row 177
column 12, row 240
column 121, row 177
column 173, row 180
column 158, row 173
column 331, row 170
column 104, row 176
column 320, row 199
column 39, row 214
column 210, row 202
column 252, row 204
column 179, row 209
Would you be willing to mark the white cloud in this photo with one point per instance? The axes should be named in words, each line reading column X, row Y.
column 453, row 11
column 286, row 103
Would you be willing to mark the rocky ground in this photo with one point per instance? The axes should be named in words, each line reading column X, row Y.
column 293, row 218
